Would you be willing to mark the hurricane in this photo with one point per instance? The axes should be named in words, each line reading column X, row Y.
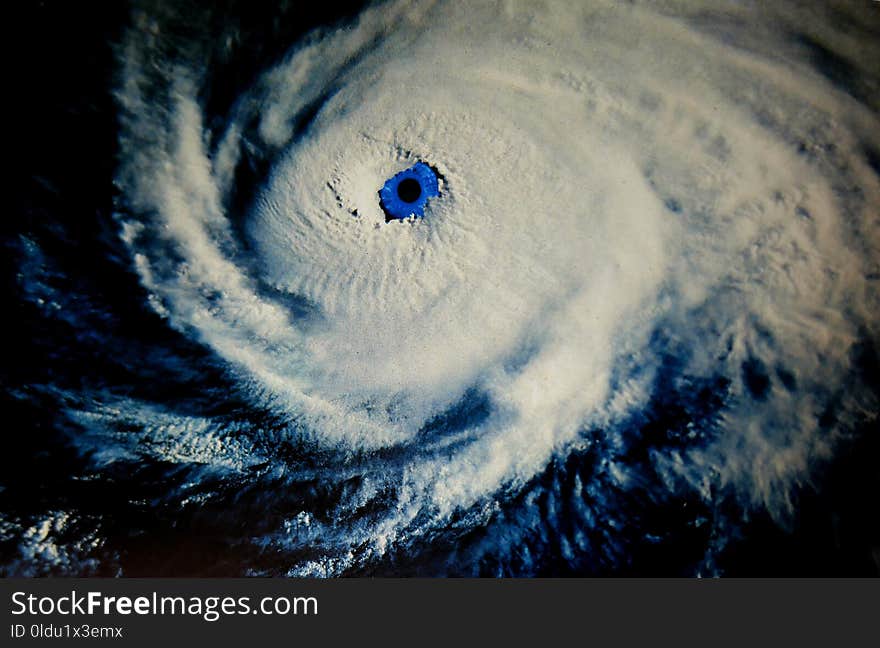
column 461, row 288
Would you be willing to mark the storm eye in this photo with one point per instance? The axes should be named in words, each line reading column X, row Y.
column 409, row 190
column 406, row 193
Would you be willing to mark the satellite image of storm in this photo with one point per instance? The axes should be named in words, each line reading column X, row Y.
column 468, row 288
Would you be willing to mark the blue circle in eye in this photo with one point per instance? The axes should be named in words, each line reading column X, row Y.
column 406, row 193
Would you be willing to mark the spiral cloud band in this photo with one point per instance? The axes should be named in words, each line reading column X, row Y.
column 650, row 274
